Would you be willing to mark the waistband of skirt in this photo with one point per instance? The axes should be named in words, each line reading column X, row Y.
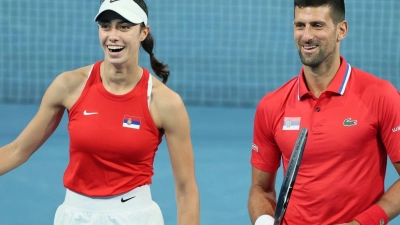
column 137, row 198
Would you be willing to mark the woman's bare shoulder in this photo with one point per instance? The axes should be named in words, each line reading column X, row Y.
column 74, row 78
column 69, row 85
column 165, row 97
column 169, row 110
column 76, row 75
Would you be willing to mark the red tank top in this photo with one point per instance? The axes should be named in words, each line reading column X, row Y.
column 113, row 139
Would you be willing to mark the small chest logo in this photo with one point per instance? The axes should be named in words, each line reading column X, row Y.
column 291, row 123
column 86, row 113
column 131, row 122
column 349, row 122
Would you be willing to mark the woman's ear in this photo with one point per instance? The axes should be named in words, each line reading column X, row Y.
column 144, row 32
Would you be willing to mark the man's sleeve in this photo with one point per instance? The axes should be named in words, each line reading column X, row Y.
column 389, row 120
column 265, row 154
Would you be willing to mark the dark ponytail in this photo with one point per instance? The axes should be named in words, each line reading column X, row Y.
column 148, row 44
column 161, row 69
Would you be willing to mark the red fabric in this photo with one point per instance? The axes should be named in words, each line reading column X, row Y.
column 106, row 157
column 352, row 129
column 373, row 216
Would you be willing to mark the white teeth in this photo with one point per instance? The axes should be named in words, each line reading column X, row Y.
column 115, row 47
column 309, row 47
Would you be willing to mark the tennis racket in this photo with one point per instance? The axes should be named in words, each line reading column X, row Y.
column 290, row 177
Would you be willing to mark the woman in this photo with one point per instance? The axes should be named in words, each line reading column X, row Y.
column 118, row 113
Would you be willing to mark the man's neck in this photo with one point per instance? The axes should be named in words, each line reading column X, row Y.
column 319, row 78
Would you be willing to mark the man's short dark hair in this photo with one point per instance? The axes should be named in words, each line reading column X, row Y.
column 337, row 7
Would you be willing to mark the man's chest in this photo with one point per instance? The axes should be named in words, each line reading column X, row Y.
column 338, row 127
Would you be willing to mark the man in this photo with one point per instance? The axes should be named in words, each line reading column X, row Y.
column 352, row 118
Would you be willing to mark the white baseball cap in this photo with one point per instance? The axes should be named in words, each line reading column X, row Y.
column 128, row 9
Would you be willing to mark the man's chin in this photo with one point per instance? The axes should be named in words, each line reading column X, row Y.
column 309, row 61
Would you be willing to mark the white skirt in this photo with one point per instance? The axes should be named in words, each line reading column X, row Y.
column 135, row 207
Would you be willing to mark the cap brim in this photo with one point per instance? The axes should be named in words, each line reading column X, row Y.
column 128, row 15
column 128, row 9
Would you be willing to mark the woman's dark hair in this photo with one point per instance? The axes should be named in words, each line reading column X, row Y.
column 161, row 69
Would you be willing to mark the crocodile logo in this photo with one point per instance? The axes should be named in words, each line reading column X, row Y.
column 349, row 122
